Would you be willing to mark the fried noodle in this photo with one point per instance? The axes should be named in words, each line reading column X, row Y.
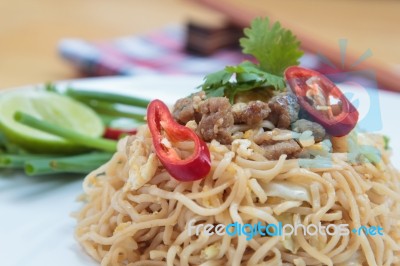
column 135, row 214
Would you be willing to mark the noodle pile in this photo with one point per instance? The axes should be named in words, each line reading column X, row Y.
column 136, row 214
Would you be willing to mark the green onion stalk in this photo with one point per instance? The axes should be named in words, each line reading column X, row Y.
column 14, row 161
column 111, row 109
column 82, row 164
column 67, row 134
column 107, row 97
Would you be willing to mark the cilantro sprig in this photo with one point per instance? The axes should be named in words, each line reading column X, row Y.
column 275, row 49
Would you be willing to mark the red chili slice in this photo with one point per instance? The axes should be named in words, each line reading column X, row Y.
column 115, row 133
column 162, row 125
column 322, row 100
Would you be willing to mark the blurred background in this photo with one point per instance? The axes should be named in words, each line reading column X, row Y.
column 44, row 40
column 30, row 31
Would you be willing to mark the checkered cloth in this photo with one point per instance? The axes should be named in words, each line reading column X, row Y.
column 161, row 52
column 158, row 52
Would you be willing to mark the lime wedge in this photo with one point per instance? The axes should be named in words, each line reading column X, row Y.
column 51, row 107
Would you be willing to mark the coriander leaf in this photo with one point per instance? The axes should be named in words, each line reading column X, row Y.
column 247, row 76
column 219, row 77
column 256, row 75
column 219, row 92
column 215, row 83
column 274, row 47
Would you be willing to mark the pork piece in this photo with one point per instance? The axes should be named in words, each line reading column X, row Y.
column 186, row 109
column 251, row 113
column 284, row 110
column 274, row 151
column 216, row 120
column 302, row 125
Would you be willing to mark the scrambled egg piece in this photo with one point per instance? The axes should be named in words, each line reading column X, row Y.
column 143, row 165
column 242, row 147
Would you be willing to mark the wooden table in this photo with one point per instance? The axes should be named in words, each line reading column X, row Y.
column 30, row 30
column 367, row 31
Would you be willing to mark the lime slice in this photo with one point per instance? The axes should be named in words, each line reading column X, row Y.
column 51, row 107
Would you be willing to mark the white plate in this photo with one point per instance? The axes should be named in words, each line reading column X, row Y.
column 35, row 223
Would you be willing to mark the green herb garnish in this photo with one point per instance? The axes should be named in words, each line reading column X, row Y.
column 274, row 47
column 386, row 140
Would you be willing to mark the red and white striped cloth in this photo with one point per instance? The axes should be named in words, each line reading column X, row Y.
column 162, row 52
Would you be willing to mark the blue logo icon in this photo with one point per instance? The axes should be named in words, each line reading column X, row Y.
column 360, row 87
